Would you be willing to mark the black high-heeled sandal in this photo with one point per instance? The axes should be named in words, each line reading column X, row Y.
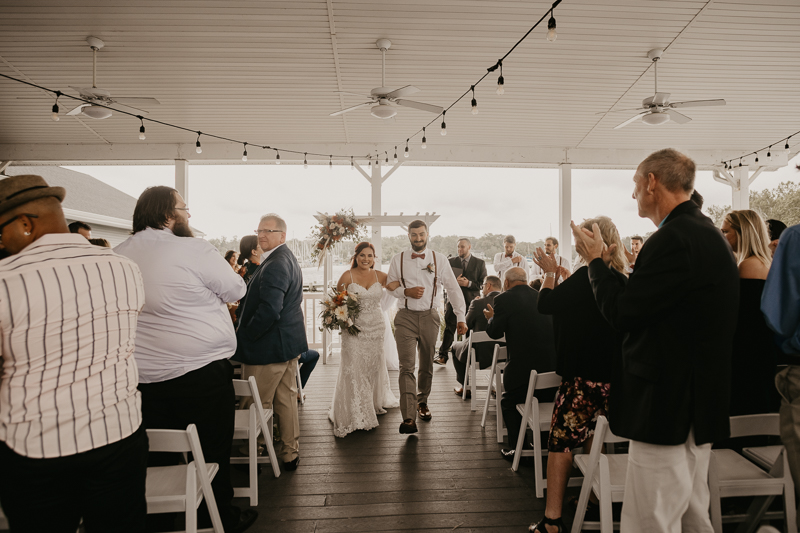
column 539, row 526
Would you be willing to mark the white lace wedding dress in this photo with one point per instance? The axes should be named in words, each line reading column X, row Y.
column 362, row 389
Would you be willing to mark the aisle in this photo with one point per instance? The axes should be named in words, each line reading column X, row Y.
column 447, row 477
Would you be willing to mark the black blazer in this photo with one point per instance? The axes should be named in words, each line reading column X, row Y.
column 475, row 273
column 271, row 326
column 476, row 321
column 529, row 335
column 678, row 315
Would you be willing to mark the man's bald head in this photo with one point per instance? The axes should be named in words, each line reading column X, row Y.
column 516, row 276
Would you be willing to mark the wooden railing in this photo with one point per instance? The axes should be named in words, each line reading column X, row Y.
column 322, row 341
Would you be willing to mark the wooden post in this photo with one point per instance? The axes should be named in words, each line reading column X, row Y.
column 182, row 178
column 565, row 211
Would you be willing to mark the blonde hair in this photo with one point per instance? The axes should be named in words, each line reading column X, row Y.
column 752, row 236
column 610, row 235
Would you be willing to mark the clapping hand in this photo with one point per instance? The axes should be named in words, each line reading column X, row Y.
column 464, row 282
column 563, row 273
column 544, row 261
column 488, row 312
column 590, row 245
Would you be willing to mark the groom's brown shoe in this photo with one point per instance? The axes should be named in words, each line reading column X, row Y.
column 424, row 412
column 408, row 426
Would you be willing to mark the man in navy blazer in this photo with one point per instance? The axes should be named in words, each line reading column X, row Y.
column 272, row 334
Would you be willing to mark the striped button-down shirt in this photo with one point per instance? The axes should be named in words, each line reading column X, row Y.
column 68, row 314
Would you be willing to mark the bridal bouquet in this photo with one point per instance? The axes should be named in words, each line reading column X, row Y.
column 339, row 311
column 334, row 228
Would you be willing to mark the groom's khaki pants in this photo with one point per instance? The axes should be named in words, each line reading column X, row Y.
column 412, row 330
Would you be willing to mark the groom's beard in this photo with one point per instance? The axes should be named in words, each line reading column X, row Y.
column 419, row 247
column 182, row 229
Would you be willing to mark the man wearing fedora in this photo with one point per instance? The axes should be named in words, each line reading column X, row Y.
column 71, row 435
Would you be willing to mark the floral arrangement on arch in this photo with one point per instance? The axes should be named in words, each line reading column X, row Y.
column 339, row 311
column 335, row 228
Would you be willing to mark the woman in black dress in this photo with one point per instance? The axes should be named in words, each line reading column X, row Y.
column 249, row 256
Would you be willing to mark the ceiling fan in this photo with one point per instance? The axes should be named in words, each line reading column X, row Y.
column 101, row 97
column 384, row 99
column 657, row 109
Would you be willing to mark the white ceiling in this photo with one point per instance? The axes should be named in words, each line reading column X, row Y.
column 266, row 71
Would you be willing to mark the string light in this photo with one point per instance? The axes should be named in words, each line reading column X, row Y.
column 756, row 158
column 769, row 153
column 55, row 116
column 330, row 162
column 444, row 126
column 395, row 155
column 501, row 81
column 199, row 148
column 474, row 102
column 423, row 139
column 244, row 154
column 405, row 154
column 305, row 160
column 277, row 157
column 740, row 161
column 141, row 129
column 787, row 144
column 551, row 28
column 387, row 157
column 352, row 164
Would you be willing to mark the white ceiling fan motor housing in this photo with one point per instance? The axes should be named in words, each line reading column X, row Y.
column 383, row 111
column 655, row 118
column 96, row 111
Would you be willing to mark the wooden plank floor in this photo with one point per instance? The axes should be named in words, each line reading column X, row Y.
column 447, row 477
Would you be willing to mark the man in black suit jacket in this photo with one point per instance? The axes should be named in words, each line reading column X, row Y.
column 530, row 345
column 473, row 272
column 272, row 334
column 677, row 313
column 476, row 321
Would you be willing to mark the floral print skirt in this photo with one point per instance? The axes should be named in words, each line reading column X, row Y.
column 578, row 404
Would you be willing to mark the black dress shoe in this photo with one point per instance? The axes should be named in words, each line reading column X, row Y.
column 440, row 359
column 408, row 426
column 246, row 519
column 291, row 466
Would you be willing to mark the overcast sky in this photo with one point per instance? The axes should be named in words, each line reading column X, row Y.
column 228, row 200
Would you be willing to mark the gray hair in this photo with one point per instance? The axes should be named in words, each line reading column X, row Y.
column 673, row 169
column 494, row 281
column 279, row 222
column 516, row 274
column 510, row 239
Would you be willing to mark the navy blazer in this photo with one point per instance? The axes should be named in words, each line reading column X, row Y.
column 678, row 314
column 271, row 326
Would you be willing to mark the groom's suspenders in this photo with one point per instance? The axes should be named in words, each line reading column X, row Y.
column 435, row 277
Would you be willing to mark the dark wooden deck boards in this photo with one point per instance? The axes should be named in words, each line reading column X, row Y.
column 448, row 477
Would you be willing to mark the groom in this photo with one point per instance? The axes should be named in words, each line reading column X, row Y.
column 421, row 274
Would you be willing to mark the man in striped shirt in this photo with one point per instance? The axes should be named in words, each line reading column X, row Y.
column 71, row 441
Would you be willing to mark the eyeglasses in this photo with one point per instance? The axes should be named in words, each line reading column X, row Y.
column 12, row 219
column 260, row 231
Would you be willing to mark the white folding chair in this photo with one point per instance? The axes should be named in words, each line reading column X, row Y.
column 299, row 383
column 730, row 474
column 174, row 489
column 763, row 456
column 471, row 372
column 496, row 375
column 248, row 425
column 602, row 474
column 3, row 520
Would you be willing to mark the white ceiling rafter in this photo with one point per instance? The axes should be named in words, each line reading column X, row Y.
column 338, row 69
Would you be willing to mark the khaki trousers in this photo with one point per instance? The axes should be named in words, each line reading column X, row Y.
column 415, row 330
column 277, row 385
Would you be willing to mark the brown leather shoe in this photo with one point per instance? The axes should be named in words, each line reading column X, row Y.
column 424, row 412
column 460, row 393
column 408, row 426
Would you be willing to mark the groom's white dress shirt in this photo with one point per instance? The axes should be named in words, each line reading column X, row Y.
column 415, row 274
column 502, row 263
column 537, row 272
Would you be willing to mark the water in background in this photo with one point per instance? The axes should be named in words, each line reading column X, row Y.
column 313, row 276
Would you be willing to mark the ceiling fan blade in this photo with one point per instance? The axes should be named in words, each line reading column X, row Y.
column 402, row 91
column 78, row 110
column 680, row 118
column 343, row 111
column 352, row 94
column 660, row 98
column 138, row 110
column 422, row 107
column 632, row 119
column 616, row 110
column 91, row 92
column 135, row 101
column 698, row 103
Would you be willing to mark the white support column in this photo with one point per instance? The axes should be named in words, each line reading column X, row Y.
column 377, row 182
column 565, row 210
column 182, row 178
column 741, row 188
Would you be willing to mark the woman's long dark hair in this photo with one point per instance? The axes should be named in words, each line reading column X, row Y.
column 359, row 248
column 247, row 246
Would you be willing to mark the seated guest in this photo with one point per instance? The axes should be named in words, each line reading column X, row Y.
column 81, row 228
column 476, row 321
column 249, row 256
column 509, row 258
column 308, row 360
column 529, row 338
column 100, row 242
column 775, row 227
column 232, row 257
column 185, row 337
column 66, row 454
column 755, row 355
column 551, row 249
column 586, row 346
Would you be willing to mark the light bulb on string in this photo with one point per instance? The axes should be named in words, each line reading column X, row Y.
column 786, row 147
column 474, row 102
column 405, row 154
column 277, row 157
column 726, row 165
column 199, row 148
column 501, row 80
column 551, row 28
column 423, row 139
column 330, row 162
column 387, row 157
column 305, row 160
column 444, row 126
column 769, row 153
column 141, row 129
column 740, row 161
column 395, row 155
column 756, row 158
column 55, row 116
column 352, row 164
column 244, row 154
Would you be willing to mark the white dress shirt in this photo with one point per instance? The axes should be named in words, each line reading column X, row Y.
column 268, row 253
column 185, row 323
column 503, row 263
column 537, row 272
column 68, row 315
column 415, row 274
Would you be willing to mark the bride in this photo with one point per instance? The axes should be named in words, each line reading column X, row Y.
column 362, row 389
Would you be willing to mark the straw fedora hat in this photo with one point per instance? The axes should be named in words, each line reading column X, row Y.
column 18, row 190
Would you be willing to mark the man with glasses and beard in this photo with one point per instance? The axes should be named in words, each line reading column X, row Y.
column 185, row 337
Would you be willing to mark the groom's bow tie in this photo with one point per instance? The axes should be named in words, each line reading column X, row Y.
column 416, row 256
column 509, row 255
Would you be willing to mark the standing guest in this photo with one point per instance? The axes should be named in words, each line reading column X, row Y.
column 185, row 336
column 776, row 228
column 272, row 333
column 421, row 273
column 779, row 304
column 530, row 345
column 67, row 454
column 551, row 250
column 249, row 256
column 636, row 246
column 677, row 315
column 81, row 228
column 509, row 258
column 476, row 321
column 587, row 347
column 755, row 355
column 100, row 242
column 232, row 257
column 471, row 272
